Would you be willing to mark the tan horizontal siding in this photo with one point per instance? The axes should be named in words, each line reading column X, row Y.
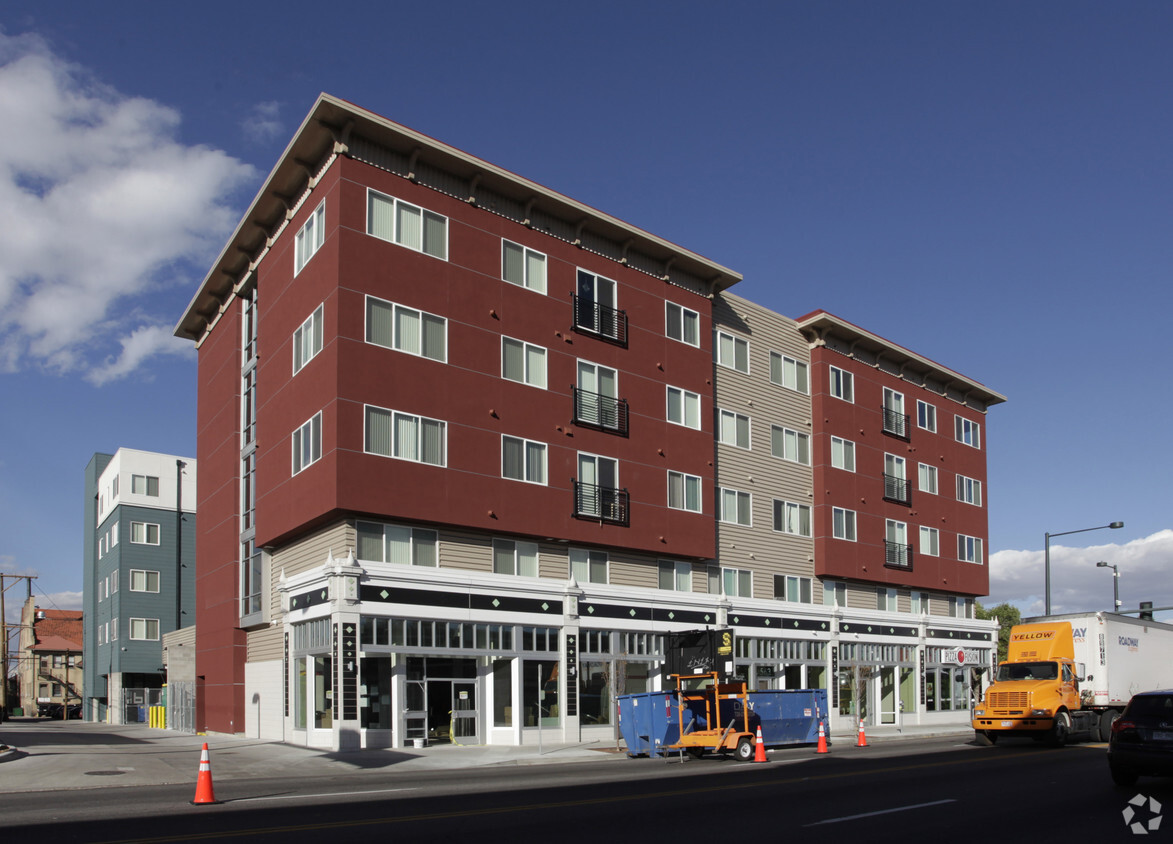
column 266, row 644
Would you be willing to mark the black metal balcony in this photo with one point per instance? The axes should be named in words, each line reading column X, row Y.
column 897, row 489
column 601, row 503
column 595, row 410
column 604, row 322
column 896, row 423
column 897, row 555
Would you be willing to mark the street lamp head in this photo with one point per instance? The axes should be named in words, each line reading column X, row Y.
column 1116, row 525
column 1101, row 564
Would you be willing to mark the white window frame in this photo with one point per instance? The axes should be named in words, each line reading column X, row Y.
column 688, row 401
column 145, row 625
column 523, row 557
column 409, row 539
column 396, row 236
column 678, row 572
column 737, row 496
column 146, row 578
column 930, row 542
column 795, row 588
column 789, row 372
column 583, row 565
column 528, row 469
column 726, row 416
column 398, row 452
column 398, row 342
column 307, row 339
column 530, row 259
column 969, row 490
column 676, row 318
column 844, row 524
column 835, row 590
column 885, row 599
column 841, row 384
column 926, row 416
column 737, row 577
column 785, row 514
column 926, row 478
column 141, row 485
column 306, row 443
column 529, row 354
column 146, row 535
column 842, row 453
column 795, row 445
column 967, row 432
column 309, row 238
column 735, row 343
column 686, row 481
column 970, row 549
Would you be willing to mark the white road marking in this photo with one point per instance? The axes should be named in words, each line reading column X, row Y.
column 324, row 794
column 881, row 812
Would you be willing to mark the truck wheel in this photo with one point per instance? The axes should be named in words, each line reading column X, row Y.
column 696, row 752
column 1095, row 731
column 985, row 738
column 1061, row 729
column 744, row 752
column 1107, row 719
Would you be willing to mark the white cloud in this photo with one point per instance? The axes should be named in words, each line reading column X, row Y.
column 263, row 123
column 101, row 205
column 1077, row 584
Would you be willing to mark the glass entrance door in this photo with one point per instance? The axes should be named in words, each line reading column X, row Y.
column 464, row 713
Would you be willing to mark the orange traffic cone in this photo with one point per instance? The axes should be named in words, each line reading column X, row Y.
column 759, row 753
column 204, row 792
column 822, row 748
column 861, row 740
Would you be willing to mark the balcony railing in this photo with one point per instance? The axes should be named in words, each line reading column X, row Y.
column 896, row 423
column 604, row 322
column 897, row 489
column 602, row 503
column 897, row 555
column 596, row 410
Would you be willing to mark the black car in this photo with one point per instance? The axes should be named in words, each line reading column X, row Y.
column 1141, row 742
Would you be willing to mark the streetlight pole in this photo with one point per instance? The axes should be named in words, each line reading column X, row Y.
column 1047, row 556
column 1115, row 583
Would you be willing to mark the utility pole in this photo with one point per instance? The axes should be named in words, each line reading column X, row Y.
column 4, row 625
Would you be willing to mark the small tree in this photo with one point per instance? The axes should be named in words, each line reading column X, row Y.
column 1007, row 616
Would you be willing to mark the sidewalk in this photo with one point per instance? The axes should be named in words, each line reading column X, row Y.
column 45, row 755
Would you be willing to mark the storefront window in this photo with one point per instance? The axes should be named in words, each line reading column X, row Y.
column 634, row 677
column 323, row 692
column 539, row 690
column 502, row 693
column 299, row 694
column 375, row 694
column 594, row 693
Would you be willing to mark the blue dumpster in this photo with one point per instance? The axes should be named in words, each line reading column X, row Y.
column 647, row 721
column 788, row 716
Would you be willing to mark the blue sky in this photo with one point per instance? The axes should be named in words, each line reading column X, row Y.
column 986, row 183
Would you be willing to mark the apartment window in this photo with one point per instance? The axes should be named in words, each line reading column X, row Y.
column 930, row 541
column 113, row 633
column 967, row 432
column 969, row 549
column 596, row 308
column 842, row 454
column 790, row 445
column 596, row 491
column 895, row 419
column 307, row 340
column 684, row 408
column 518, row 558
column 523, row 460
column 113, row 534
column 791, row 588
column 596, row 398
column 307, row 443
column 114, row 582
column 144, row 581
column 897, row 551
column 144, row 628
column 588, row 566
column 842, row 384
column 789, row 373
column 144, row 533
column 736, row 507
column 732, row 352
column 737, row 583
column 309, row 240
column 843, row 524
column 523, row 266
column 926, row 416
column 919, row 602
column 144, row 485
column 684, row 492
column 895, row 479
column 733, row 428
column 834, row 593
column 405, row 436
column 406, row 330
column 396, row 544
column 885, row 599
column 675, row 575
column 792, row 518
column 408, row 225
column 969, row 490
column 523, row 362
column 927, row 476
column 114, row 489
column 682, row 324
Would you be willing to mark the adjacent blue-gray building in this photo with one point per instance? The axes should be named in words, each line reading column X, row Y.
column 139, row 552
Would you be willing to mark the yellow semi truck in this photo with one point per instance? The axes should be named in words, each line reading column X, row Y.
column 1071, row 675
